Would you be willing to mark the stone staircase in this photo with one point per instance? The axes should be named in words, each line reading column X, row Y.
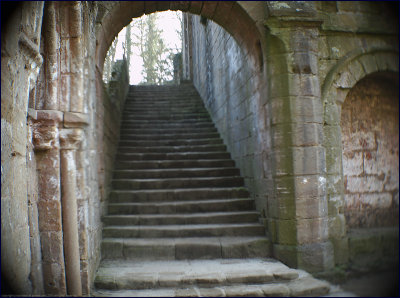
column 180, row 221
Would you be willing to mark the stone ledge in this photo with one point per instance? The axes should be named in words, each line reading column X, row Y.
column 74, row 119
column 52, row 115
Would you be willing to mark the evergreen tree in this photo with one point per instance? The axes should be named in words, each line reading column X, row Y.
column 157, row 58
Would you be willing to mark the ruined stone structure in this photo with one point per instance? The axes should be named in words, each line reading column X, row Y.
column 303, row 94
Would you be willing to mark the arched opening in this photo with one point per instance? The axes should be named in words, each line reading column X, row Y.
column 152, row 47
column 231, row 86
column 227, row 76
column 370, row 146
column 229, row 15
column 370, row 140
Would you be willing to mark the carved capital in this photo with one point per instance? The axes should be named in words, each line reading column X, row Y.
column 45, row 128
column 44, row 136
column 70, row 139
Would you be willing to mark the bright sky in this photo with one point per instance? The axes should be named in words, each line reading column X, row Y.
column 169, row 23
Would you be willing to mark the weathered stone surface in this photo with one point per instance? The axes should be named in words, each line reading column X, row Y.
column 245, row 96
column 213, row 292
column 72, row 119
column 244, row 291
column 50, row 215
column 246, row 277
column 369, row 161
column 373, row 248
column 275, row 290
column 308, row 287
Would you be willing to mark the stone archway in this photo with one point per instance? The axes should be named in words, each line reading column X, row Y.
column 231, row 16
column 228, row 14
column 342, row 77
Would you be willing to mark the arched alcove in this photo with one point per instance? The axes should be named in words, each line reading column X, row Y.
column 370, row 142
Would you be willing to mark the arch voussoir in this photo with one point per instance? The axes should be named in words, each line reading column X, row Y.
column 195, row 7
column 228, row 14
column 222, row 12
column 163, row 5
column 179, row 5
column 208, row 9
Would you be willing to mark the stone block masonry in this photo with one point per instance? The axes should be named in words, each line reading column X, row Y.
column 274, row 77
column 370, row 138
column 229, row 85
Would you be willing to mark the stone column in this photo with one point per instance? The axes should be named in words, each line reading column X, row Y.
column 187, row 69
column 299, row 224
column 70, row 140
column 51, row 47
column 45, row 140
column 73, row 124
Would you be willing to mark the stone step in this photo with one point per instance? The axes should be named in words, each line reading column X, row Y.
column 154, row 95
column 174, row 207
column 171, row 142
column 198, row 230
column 165, row 195
column 148, row 105
column 172, row 156
column 169, row 149
column 157, row 93
column 168, row 122
column 132, row 124
column 176, row 219
column 313, row 288
column 162, row 131
column 169, row 136
column 186, row 275
column 185, row 248
column 173, row 164
column 173, row 183
column 165, row 109
column 166, row 113
column 203, row 116
column 161, row 96
column 159, row 99
column 176, row 173
column 162, row 106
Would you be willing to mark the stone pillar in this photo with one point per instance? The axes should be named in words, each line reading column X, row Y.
column 46, row 145
column 76, row 55
column 51, row 47
column 187, row 69
column 299, row 215
column 70, row 140
column 72, row 136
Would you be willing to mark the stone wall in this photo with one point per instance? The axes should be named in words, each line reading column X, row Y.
column 356, row 39
column 111, row 104
column 44, row 121
column 89, row 203
column 370, row 137
column 286, row 137
column 20, row 62
column 315, row 52
column 230, row 87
